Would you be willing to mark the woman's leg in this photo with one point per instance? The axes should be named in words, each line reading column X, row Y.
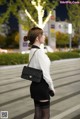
column 45, row 109
column 42, row 109
column 37, row 114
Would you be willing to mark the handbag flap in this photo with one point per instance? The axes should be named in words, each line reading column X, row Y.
column 32, row 71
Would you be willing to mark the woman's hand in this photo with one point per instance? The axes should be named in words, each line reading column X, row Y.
column 52, row 93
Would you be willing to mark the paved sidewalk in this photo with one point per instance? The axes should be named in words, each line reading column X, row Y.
column 15, row 95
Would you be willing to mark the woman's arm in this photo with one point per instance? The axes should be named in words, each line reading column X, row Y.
column 44, row 63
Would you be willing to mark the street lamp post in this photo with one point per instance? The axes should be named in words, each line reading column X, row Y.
column 70, row 35
column 70, row 43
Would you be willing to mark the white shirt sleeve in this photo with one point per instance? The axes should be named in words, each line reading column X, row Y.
column 44, row 63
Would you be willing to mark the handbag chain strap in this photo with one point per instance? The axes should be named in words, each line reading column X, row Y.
column 31, row 57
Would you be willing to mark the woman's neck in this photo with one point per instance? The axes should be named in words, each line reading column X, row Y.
column 37, row 44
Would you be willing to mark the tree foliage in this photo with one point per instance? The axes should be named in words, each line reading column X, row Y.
column 37, row 11
column 2, row 41
column 62, row 40
column 10, row 41
column 74, row 17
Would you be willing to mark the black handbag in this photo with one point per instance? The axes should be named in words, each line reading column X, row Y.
column 31, row 74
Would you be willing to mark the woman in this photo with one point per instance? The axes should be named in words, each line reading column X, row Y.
column 40, row 92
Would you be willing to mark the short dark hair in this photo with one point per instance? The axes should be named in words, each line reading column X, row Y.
column 33, row 34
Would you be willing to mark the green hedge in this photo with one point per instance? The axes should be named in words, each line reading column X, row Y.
column 78, row 51
column 13, row 59
column 67, row 55
column 53, row 56
column 18, row 58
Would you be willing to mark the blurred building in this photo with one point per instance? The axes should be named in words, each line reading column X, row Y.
column 60, row 26
column 4, row 29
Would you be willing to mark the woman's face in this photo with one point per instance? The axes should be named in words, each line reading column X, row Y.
column 42, row 39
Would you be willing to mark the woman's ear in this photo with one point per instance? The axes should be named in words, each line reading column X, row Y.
column 37, row 38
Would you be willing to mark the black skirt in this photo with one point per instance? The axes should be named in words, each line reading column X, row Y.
column 40, row 91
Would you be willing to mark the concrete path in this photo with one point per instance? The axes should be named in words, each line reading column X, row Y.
column 15, row 95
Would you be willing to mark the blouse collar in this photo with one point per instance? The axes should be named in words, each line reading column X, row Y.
column 35, row 46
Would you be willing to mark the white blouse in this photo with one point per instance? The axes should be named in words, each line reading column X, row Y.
column 41, row 61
